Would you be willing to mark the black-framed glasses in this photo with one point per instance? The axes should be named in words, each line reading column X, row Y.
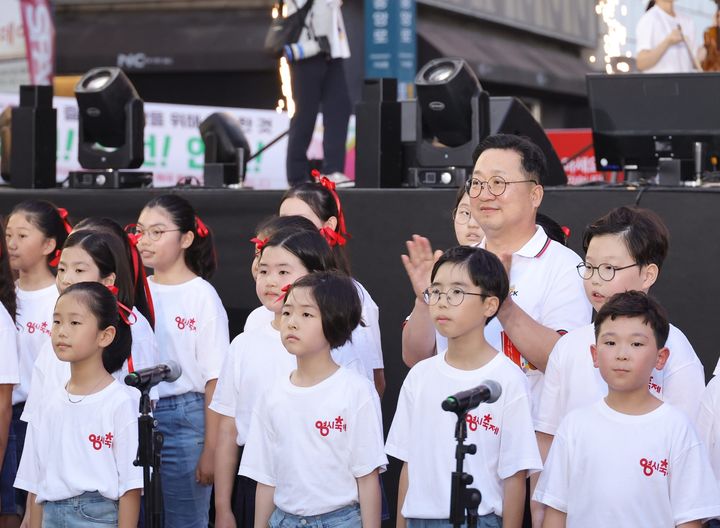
column 461, row 216
column 154, row 233
column 495, row 185
column 454, row 296
column 605, row 271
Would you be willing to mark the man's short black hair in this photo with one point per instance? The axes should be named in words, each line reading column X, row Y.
column 485, row 270
column 532, row 158
column 645, row 234
column 636, row 304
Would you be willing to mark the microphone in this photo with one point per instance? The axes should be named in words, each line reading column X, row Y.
column 151, row 376
column 489, row 391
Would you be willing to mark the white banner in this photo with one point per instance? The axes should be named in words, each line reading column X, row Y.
column 173, row 146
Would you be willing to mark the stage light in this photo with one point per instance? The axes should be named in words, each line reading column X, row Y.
column 111, row 121
column 226, row 150
column 445, row 91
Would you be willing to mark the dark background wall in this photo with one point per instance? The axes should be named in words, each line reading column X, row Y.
column 380, row 221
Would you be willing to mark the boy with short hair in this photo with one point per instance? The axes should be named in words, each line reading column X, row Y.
column 629, row 459
column 468, row 287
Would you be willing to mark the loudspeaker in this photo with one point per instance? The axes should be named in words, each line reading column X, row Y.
column 378, row 156
column 34, row 139
column 509, row 116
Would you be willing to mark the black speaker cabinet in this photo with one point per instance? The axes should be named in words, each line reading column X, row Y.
column 34, row 139
column 378, row 155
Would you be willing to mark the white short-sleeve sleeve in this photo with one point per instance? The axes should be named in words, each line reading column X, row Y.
column 518, row 445
column 568, row 307
column 213, row 341
column 643, row 34
column 9, row 367
column 225, row 399
column 683, row 386
column 258, row 462
column 398, row 440
column 125, row 447
column 552, row 408
column 553, row 487
column 366, row 437
column 37, row 384
column 28, row 473
column 707, row 423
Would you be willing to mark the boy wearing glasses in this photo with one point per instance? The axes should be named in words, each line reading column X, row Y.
column 468, row 287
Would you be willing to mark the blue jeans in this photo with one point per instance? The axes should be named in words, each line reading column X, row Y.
column 181, row 419
column 347, row 517
column 12, row 500
column 84, row 511
column 484, row 521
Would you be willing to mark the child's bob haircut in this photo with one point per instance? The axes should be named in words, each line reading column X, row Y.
column 485, row 270
column 636, row 304
column 338, row 301
column 644, row 233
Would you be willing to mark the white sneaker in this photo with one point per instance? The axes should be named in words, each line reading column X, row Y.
column 340, row 180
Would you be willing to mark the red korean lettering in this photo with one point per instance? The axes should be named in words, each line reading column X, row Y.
column 322, row 427
column 97, row 441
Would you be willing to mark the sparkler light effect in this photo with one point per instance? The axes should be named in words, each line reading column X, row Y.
column 286, row 102
column 615, row 37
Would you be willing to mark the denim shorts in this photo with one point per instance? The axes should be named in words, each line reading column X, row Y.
column 84, row 511
column 181, row 419
column 347, row 517
column 484, row 521
column 12, row 500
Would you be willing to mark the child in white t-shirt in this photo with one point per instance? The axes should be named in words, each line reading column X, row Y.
column 35, row 232
column 257, row 357
column 708, row 423
column 315, row 439
column 82, row 441
column 191, row 328
column 96, row 256
column 468, row 287
column 629, row 459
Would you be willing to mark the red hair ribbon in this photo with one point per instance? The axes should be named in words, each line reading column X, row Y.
column 566, row 230
column 333, row 237
column 64, row 215
column 56, row 259
column 330, row 186
column 139, row 269
column 113, row 289
column 259, row 243
column 284, row 291
column 125, row 313
column 202, row 229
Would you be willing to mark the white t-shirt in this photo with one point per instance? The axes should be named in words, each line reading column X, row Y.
column 545, row 284
column 34, row 323
column 708, row 423
column 191, row 327
column 325, row 19
column 9, row 370
column 82, row 443
column 606, row 468
column 257, row 358
column 312, row 443
column 422, row 434
column 571, row 380
column 365, row 344
column 652, row 28
column 49, row 372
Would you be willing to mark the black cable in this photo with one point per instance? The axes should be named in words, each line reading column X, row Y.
column 577, row 154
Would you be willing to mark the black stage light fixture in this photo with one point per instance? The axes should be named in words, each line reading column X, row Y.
column 111, row 121
column 452, row 118
column 226, row 150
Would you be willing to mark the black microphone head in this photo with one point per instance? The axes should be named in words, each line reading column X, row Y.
column 495, row 390
column 132, row 379
column 175, row 371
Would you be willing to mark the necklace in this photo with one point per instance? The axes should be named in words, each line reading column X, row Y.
column 92, row 391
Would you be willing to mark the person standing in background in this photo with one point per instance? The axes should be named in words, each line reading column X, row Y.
column 665, row 40
column 317, row 67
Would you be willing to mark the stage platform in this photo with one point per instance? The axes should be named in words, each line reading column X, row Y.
column 381, row 220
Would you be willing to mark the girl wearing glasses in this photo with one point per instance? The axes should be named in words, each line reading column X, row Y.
column 191, row 327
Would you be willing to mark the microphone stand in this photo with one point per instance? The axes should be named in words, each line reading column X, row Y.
column 463, row 498
column 150, row 442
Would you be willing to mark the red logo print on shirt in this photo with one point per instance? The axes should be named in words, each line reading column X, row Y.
column 40, row 327
column 654, row 387
column 486, row 423
column 98, row 441
column 650, row 467
column 324, row 426
column 183, row 323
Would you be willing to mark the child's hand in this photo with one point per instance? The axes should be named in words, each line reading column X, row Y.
column 419, row 263
column 205, row 470
column 224, row 519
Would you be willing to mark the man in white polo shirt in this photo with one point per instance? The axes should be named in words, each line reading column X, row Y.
column 546, row 294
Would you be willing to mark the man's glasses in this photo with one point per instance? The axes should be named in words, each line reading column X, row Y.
column 495, row 185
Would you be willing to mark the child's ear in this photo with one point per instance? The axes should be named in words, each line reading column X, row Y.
column 649, row 275
column 187, row 239
column 49, row 246
column 331, row 222
column 107, row 336
column 662, row 358
column 492, row 306
column 594, row 354
column 109, row 280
